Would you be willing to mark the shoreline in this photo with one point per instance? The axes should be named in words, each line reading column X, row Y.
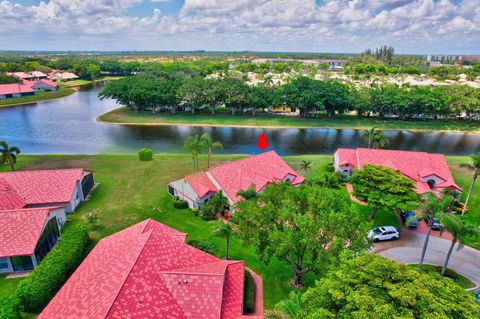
column 260, row 126
column 72, row 91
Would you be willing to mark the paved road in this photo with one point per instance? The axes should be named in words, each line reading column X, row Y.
column 408, row 249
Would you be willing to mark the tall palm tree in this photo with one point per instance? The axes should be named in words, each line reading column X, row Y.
column 9, row 154
column 460, row 231
column 194, row 144
column 210, row 144
column 431, row 208
column 370, row 134
column 379, row 140
column 226, row 231
column 475, row 167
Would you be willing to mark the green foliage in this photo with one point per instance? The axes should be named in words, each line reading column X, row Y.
column 7, row 79
column 383, row 189
column 145, row 154
column 206, row 246
column 10, row 308
column 248, row 293
column 292, row 306
column 8, row 154
column 305, row 227
column 370, row 286
column 36, row 290
column 180, row 204
column 216, row 205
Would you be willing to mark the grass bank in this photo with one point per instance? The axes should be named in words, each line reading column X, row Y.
column 76, row 83
column 130, row 191
column 38, row 97
column 125, row 116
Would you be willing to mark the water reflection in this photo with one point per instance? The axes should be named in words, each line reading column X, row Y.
column 68, row 126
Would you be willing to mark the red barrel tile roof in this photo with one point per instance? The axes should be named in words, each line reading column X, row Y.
column 15, row 89
column 20, row 230
column 147, row 271
column 414, row 165
column 42, row 186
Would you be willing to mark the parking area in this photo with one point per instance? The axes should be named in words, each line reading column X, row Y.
column 423, row 229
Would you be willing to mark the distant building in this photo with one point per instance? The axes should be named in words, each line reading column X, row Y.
column 63, row 76
column 15, row 90
column 30, row 76
column 41, row 85
column 469, row 58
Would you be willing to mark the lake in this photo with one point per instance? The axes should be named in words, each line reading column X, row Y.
column 68, row 126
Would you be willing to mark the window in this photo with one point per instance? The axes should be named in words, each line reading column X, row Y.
column 47, row 240
column 171, row 190
column 3, row 263
column 21, row 263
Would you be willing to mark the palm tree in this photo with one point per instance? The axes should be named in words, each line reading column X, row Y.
column 268, row 81
column 291, row 306
column 430, row 209
column 210, row 144
column 460, row 231
column 305, row 165
column 370, row 134
column 9, row 154
column 225, row 230
column 379, row 140
column 194, row 145
column 475, row 167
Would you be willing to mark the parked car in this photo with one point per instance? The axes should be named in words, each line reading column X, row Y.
column 477, row 296
column 436, row 225
column 383, row 233
column 409, row 219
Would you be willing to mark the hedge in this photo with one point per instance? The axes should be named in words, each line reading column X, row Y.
column 180, row 204
column 10, row 308
column 248, row 293
column 145, row 154
column 38, row 288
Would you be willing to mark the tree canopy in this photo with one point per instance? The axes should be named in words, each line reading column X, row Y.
column 370, row 287
column 305, row 227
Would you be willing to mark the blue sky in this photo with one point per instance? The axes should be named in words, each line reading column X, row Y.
column 411, row 26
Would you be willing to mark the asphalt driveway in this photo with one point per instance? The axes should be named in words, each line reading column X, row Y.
column 408, row 250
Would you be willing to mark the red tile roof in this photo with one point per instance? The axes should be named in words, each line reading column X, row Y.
column 414, row 165
column 14, row 88
column 9, row 198
column 43, row 186
column 20, row 230
column 259, row 170
column 44, row 81
column 147, row 271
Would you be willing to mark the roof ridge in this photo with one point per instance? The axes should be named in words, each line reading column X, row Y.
column 129, row 272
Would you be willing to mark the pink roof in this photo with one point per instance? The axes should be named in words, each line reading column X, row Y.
column 200, row 183
column 147, row 271
column 14, row 88
column 232, row 177
column 21, row 230
column 43, row 186
column 44, row 81
column 48, row 82
column 414, row 165
column 9, row 198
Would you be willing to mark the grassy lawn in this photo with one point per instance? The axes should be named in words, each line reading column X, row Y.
column 459, row 279
column 39, row 96
column 130, row 191
column 8, row 286
column 123, row 115
column 75, row 83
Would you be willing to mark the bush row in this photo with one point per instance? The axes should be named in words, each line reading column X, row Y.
column 10, row 308
column 36, row 290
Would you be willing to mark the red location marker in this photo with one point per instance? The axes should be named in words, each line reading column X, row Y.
column 262, row 142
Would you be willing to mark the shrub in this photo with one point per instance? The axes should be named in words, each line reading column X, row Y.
column 206, row 246
column 180, row 204
column 248, row 292
column 10, row 308
column 330, row 168
column 207, row 212
column 36, row 290
column 145, row 154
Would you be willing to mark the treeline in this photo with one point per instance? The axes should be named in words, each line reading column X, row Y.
column 182, row 91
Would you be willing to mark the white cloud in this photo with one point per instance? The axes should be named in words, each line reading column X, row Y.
column 332, row 25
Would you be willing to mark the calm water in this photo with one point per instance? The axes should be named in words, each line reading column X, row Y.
column 68, row 126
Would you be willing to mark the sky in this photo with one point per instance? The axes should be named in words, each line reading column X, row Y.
column 410, row 26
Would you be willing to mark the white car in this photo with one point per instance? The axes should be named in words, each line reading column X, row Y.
column 383, row 233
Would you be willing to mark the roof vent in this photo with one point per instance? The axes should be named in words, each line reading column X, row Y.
column 185, row 281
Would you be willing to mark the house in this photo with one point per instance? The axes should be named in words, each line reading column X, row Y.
column 41, row 85
column 15, row 90
column 63, row 76
column 148, row 271
column 333, row 64
column 30, row 76
column 45, row 188
column 429, row 172
column 259, row 171
column 27, row 236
